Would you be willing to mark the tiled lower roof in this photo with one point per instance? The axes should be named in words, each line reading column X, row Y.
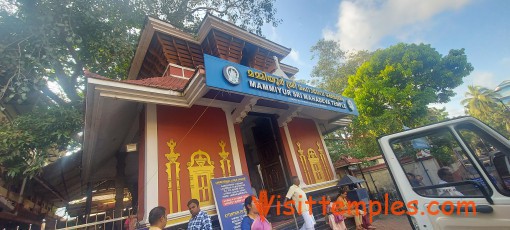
column 167, row 82
column 171, row 83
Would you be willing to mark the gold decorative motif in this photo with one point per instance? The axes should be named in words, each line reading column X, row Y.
column 224, row 160
column 302, row 158
column 172, row 160
column 316, row 165
column 324, row 161
column 201, row 171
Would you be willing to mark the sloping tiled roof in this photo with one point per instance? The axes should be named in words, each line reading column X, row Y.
column 170, row 83
column 166, row 82
column 372, row 158
column 346, row 161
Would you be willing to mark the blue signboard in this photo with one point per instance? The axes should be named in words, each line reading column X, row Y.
column 229, row 76
column 229, row 194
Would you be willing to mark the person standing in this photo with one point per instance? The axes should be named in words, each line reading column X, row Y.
column 157, row 218
column 199, row 219
column 252, row 220
column 130, row 223
column 299, row 197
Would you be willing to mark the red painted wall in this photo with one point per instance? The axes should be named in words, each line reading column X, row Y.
column 305, row 131
column 179, row 124
column 288, row 153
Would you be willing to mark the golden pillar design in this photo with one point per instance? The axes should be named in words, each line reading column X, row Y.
column 172, row 160
column 201, row 171
column 303, row 160
column 324, row 161
column 315, row 165
column 225, row 162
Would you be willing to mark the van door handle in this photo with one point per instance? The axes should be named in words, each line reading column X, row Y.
column 479, row 208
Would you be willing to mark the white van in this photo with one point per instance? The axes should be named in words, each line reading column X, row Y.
column 467, row 186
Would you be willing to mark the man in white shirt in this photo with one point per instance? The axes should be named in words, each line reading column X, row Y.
column 299, row 197
column 446, row 176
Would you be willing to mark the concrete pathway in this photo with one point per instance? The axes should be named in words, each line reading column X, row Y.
column 391, row 222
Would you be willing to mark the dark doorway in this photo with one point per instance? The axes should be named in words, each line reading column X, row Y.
column 264, row 155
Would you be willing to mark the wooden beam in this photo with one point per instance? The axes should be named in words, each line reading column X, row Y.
column 288, row 115
column 243, row 109
column 162, row 46
column 191, row 55
column 178, row 56
column 50, row 188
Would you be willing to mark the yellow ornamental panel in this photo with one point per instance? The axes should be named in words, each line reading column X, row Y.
column 303, row 160
column 170, row 166
column 201, row 171
column 324, row 161
column 224, row 162
column 315, row 165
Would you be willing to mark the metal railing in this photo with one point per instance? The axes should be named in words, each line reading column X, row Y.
column 100, row 222
column 103, row 224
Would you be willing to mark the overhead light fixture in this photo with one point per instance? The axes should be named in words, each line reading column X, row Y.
column 131, row 148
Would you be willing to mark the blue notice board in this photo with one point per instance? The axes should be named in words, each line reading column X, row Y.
column 229, row 194
column 229, row 76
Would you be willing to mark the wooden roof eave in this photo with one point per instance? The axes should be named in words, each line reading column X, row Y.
column 210, row 22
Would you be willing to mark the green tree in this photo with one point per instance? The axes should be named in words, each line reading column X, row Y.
column 334, row 66
column 43, row 42
column 332, row 71
column 433, row 115
column 397, row 84
column 30, row 140
column 480, row 103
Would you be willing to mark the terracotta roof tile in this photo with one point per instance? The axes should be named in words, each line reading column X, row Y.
column 168, row 83
column 345, row 161
column 171, row 83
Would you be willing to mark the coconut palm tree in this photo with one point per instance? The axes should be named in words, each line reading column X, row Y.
column 481, row 103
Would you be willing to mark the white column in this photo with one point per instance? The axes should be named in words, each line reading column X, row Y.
column 233, row 143
column 293, row 153
column 326, row 151
column 151, row 160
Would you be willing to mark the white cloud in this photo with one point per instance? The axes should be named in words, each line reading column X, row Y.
column 362, row 24
column 274, row 36
column 294, row 56
column 482, row 78
column 505, row 61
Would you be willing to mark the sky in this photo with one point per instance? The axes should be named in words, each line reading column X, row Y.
column 481, row 27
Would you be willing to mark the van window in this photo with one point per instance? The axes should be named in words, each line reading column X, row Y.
column 435, row 158
column 490, row 153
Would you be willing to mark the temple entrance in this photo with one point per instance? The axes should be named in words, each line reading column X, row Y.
column 264, row 154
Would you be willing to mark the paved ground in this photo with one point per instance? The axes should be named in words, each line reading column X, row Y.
column 391, row 222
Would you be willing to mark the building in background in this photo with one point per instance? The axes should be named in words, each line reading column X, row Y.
column 504, row 90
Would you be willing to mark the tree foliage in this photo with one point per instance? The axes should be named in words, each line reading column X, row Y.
column 54, row 40
column 334, row 66
column 395, row 87
column 482, row 103
column 332, row 71
column 30, row 140
column 43, row 42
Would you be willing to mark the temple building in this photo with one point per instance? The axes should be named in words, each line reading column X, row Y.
column 216, row 103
